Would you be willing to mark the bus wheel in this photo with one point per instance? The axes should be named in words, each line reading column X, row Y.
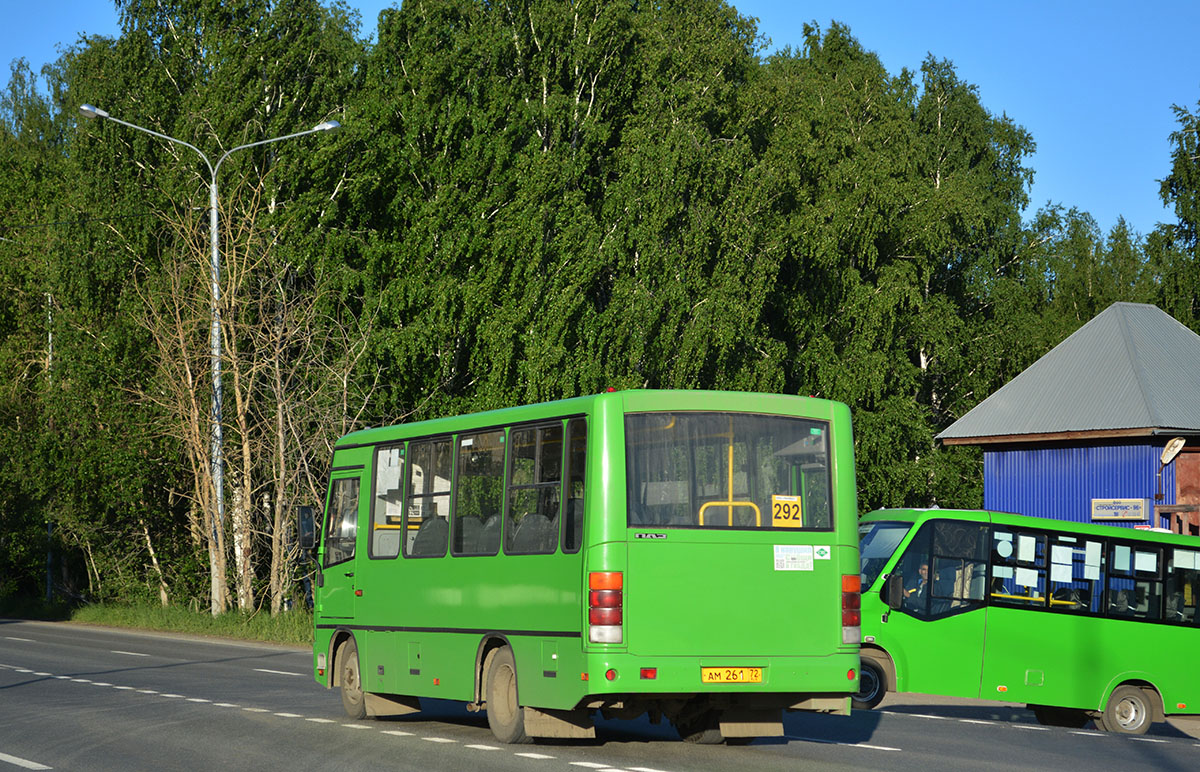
column 702, row 729
column 872, row 687
column 351, row 680
column 1067, row 717
column 1128, row 711
column 504, row 714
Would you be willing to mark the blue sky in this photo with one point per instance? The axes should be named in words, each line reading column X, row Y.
column 1092, row 81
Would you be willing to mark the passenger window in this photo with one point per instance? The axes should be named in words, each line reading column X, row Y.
column 387, row 516
column 479, row 494
column 341, row 520
column 427, row 516
column 1183, row 586
column 1018, row 568
column 1076, row 568
column 1135, row 581
column 572, row 532
column 535, row 489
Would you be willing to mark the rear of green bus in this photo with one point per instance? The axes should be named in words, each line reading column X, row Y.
column 722, row 576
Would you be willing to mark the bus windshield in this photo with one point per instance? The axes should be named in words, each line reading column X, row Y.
column 877, row 542
column 727, row 470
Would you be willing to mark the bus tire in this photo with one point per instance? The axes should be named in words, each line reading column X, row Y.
column 350, row 678
column 1129, row 711
column 872, row 686
column 505, row 716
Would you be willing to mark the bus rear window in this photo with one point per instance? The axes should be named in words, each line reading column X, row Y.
column 727, row 470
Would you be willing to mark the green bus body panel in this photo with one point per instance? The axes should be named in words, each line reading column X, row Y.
column 1032, row 656
column 696, row 598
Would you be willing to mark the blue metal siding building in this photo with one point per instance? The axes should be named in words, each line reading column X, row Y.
column 1060, row 481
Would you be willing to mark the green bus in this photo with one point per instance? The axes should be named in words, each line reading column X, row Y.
column 687, row 554
column 1078, row 621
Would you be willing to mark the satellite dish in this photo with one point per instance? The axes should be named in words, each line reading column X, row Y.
column 1172, row 450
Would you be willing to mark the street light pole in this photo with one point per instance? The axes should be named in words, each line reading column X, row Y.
column 218, row 465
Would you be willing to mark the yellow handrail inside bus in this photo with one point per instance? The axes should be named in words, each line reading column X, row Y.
column 731, row 505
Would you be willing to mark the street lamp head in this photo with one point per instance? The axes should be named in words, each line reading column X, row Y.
column 327, row 126
column 91, row 111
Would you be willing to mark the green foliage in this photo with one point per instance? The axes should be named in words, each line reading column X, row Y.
column 527, row 201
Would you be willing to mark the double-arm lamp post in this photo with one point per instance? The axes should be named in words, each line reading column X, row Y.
column 91, row 111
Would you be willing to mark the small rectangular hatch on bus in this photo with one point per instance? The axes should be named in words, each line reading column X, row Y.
column 689, row 595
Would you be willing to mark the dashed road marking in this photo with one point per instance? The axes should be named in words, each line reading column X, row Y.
column 539, row 756
column 23, row 763
column 128, row 653
column 275, row 672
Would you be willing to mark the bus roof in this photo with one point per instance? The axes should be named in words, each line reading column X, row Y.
column 631, row 400
column 917, row 515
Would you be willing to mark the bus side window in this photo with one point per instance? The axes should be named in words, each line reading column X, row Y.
column 341, row 520
column 478, row 494
column 426, row 517
column 1018, row 568
column 386, row 513
column 1076, row 565
column 535, row 489
column 1183, row 586
column 1135, row 581
column 572, row 532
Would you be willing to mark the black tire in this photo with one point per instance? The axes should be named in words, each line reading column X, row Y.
column 505, row 715
column 1129, row 711
column 1070, row 718
column 872, row 686
column 704, row 729
column 350, row 678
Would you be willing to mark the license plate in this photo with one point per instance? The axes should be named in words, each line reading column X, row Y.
column 731, row 675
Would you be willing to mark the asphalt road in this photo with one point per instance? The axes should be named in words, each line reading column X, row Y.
column 86, row 698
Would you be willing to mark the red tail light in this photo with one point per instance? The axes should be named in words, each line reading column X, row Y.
column 606, row 601
column 851, row 608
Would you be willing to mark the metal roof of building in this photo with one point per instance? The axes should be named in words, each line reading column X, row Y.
column 1132, row 370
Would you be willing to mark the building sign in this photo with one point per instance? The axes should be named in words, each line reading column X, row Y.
column 1119, row 509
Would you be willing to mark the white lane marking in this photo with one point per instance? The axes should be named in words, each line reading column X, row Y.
column 977, row 721
column 43, row 675
column 274, row 672
column 823, row 741
column 644, row 769
column 439, row 740
column 22, row 640
column 588, row 764
column 147, row 691
column 100, row 683
column 320, row 720
column 1147, row 740
column 483, row 747
column 1031, row 727
column 288, row 715
column 1091, row 734
column 925, row 715
column 129, row 653
column 533, row 755
column 23, row 670
column 397, row 733
column 256, row 710
column 123, row 688
column 225, row 704
column 23, row 763
column 62, row 678
column 80, row 681
column 172, row 696
column 197, row 699
column 356, row 726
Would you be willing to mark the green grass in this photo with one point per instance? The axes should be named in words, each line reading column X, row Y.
column 288, row 627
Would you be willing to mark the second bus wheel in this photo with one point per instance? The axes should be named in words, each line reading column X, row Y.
column 505, row 716
column 872, row 687
column 1128, row 711
column 350, row 679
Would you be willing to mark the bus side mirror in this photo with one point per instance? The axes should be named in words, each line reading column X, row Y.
column 306, row 528
column 893, row 591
